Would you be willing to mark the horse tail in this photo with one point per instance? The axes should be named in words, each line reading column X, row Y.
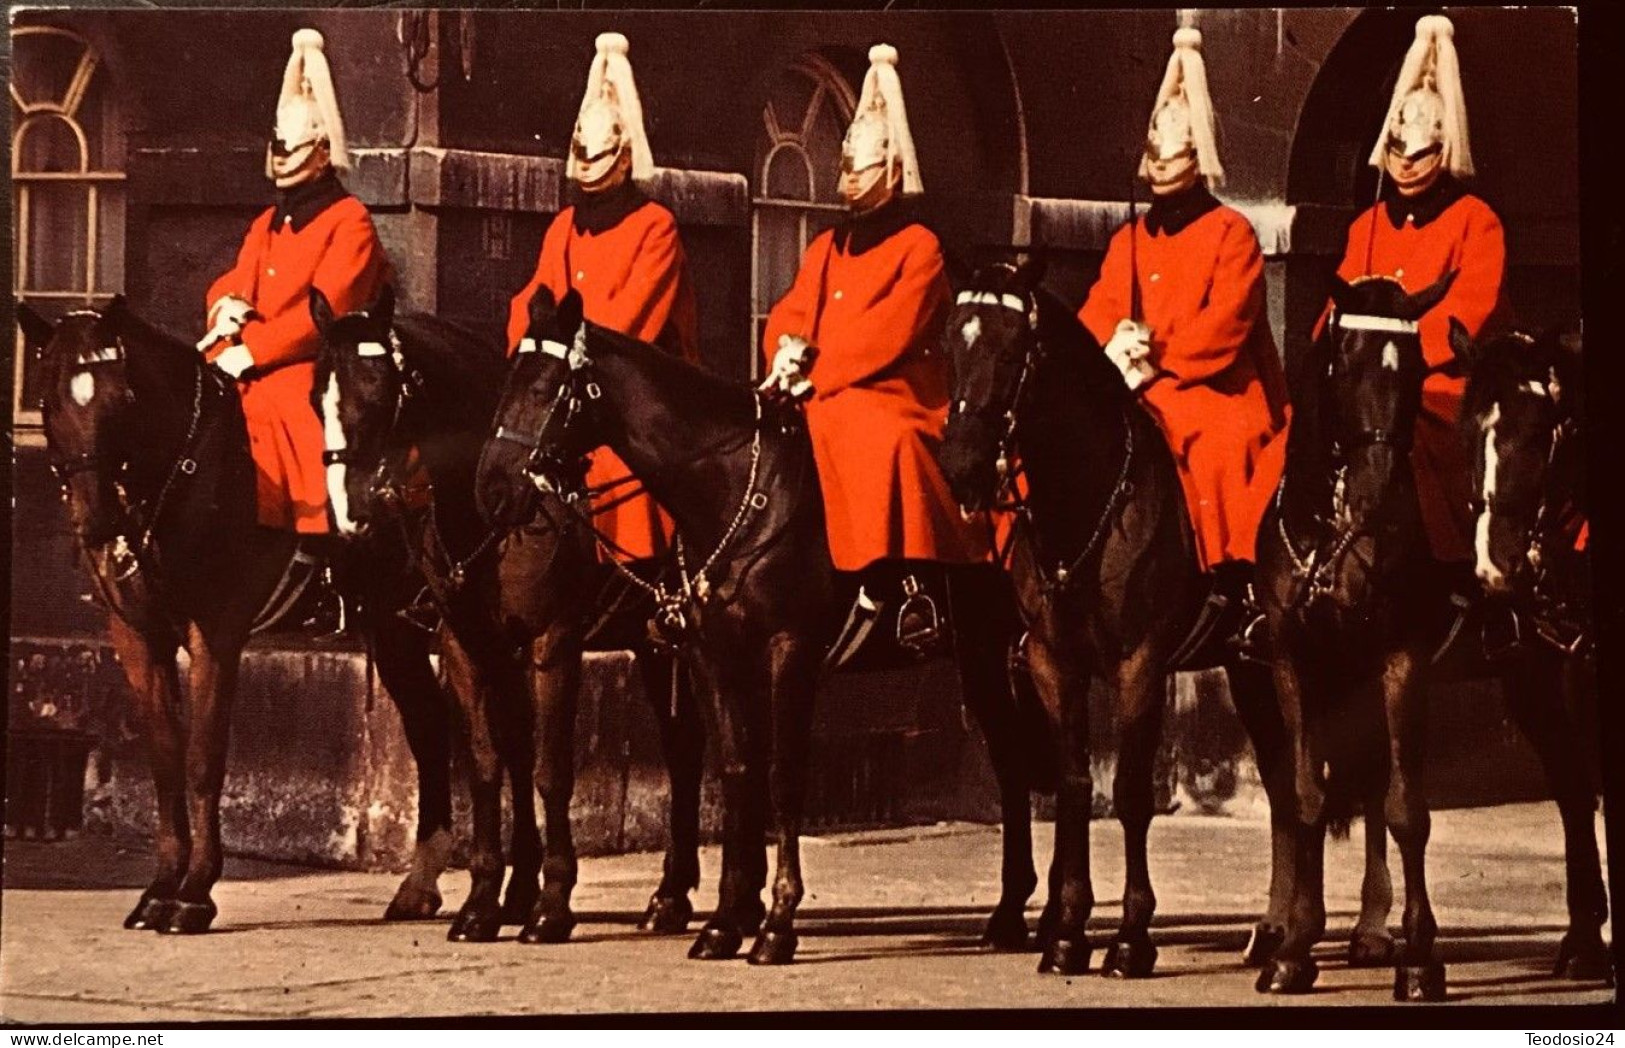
column 1349, row 781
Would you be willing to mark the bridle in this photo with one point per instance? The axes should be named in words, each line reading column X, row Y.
column 1315, row 573
column 1552, row 527
column 128, row 561
column 1008, row 493
column 546, row 465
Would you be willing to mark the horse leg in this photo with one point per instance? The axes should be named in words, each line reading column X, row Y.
column 516, row 740
column 215, row 659
column 1064, row 941
column 1253, row 694
column 984, row 682
column 555, row 685
column 1142, row 683
column 401, row 652
column 1419, row 975
column 1527, row 684
column 739, row 909
column 480, row 918
column 149, row 665
column 1292, row 970
column 682, row 743
column 794, row 677
column 1371, row 946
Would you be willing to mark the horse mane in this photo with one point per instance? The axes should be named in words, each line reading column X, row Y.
column 456, row 362
column 715, row 397
column 1059, row 328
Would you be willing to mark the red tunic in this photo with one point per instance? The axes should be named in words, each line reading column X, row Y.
column 1466, row 236
column 881, row 400
column 1220, row 393
column 337, row 251
column 632, row 279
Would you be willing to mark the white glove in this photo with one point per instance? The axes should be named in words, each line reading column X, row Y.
column 235, row 360
column 230, row 314
column 788, row 376
column 1130, row 349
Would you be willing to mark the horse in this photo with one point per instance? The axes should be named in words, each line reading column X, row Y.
column 1521, row 419
column 1340, row 550
column 753, row 596
column 151, row 448
column 1104, row 566
column 514, row 601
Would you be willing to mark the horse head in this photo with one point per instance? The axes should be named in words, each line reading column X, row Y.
column 358, row 393
column 1520, row 408
column 1370, row 395
column 533, row 446
column 88, row 409
column 993, row 346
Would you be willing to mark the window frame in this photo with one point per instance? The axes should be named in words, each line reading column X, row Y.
column 26, row 419
column 829, row 86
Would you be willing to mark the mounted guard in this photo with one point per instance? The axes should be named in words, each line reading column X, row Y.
column 1180, row 309
column 1424, row 224
column 622, row 252
column 868, row 304
column 318, row 236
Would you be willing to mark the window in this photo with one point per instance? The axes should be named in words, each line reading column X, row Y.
column 798, row 162
column 67, row 160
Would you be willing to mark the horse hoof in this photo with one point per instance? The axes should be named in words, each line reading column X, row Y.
column 475, row 926
column 1419, row 982
column 413, row 904
column 1262, row 944
column 1129, row 959
column 150, row 914
column 1006, row 931
column 1371, row 950
column 1283, row 977
column 188, row 918
column 550, row 930
column 1047, row 920
column 1065, row 957
column 1585, row 961
column 667, row 915
column 773, row 948
column 717, row 942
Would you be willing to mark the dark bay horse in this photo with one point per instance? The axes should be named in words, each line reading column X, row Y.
column 1340, row 553
column 1104, row 566
column 514, row 602
column 753, row 601
column 1522, row 419
column 153, row 454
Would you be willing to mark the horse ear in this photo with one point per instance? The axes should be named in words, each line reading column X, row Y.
column 1032, row 269
column 321, row 311
column 1342, row 293
column 37, row 330
column 543, row 308
column 1417, row 305
column 571, row 312
column 383, row 310
column 1461, row 345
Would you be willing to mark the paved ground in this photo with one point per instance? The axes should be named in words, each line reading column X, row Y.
column 890, row 922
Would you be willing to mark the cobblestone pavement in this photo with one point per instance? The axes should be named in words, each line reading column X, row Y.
column 890, row 921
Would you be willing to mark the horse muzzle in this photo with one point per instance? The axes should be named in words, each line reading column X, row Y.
column 969, row 457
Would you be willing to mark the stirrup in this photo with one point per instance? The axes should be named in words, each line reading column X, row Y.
column 860, row 622
column 919, row 627
column 1250, row 642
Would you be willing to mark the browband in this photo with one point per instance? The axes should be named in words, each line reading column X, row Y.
column 988, row 298
column 548, row 346
column 1368, row 322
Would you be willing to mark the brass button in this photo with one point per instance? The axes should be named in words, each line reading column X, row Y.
column 270, row 272
column 581, row 274
column 1155, row 277
column 838, row 294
